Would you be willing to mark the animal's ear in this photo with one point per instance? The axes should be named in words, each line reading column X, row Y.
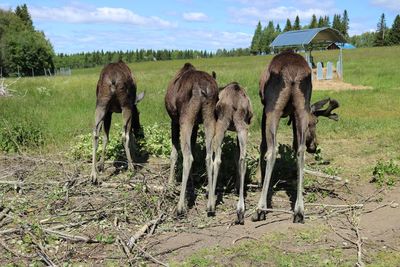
column 139, row 97
column 214, row 75
column 333, row 104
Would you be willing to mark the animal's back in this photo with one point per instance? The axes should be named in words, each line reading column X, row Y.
column 287, row 77
column 189, row 85
column 234, row 104
column 116, row 82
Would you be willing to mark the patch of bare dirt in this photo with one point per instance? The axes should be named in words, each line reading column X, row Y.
column 336, row 85
column 51, row 214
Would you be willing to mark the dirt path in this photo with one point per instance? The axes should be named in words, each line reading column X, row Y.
column 379, row 227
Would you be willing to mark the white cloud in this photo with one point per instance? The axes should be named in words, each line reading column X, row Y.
column 72, row 14
column 391, row 4
column 251, row 15
column 195, row 16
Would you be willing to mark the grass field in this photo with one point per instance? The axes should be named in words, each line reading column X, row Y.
column 48, row 113
column 61, row 108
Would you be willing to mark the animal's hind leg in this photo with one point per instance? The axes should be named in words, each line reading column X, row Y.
column 220, row 129
column 301, row 127
column 242, row 137
column 126, row 137
column 174, row 151
column 106, row 124
column 186, row 127
column 263, row 149
column 272, row 121
column 99, row 115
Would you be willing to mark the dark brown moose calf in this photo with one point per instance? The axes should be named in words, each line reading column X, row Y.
column 285, row 90
column 234, row 113
column 190, row 99
column 116, row 92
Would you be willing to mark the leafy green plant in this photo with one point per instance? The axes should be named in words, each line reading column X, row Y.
column 386, row 173
column 156, row 142
column 17, row 136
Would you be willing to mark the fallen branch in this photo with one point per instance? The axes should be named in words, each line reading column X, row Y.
column 359, row 206
column 323, row 175
column 149, row 256
column 142, row 231
column 4, row 212
column 73, row 238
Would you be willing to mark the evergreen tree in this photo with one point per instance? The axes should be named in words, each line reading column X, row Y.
column 23, row 13
column 394, row 34
column 313, row 23
column 256, row 42
column 327, row 22
column 278, row 29
column 268, row 36
column 321, row 22
column 296, row 25
column 345, row 24
column 337, row 23
column 381, row 33
column 288, row 26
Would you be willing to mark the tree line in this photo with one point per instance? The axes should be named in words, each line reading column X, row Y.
column 383, row 36
column 99, row 58
column 263, row 37
column 23, row 49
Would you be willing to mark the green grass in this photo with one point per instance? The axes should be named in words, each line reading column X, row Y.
column 63, row 107
column 297, row 248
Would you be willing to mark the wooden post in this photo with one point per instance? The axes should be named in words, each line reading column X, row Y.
column 18, row 71
column 33, row 73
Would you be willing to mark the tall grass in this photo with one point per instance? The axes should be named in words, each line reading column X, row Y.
column 63, row 107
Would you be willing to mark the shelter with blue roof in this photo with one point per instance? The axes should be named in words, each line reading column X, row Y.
column 311, row 39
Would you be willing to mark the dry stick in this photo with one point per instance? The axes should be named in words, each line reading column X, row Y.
column 15, row 253
column 360, row 263
column 3, row 214
column 142, row 231
column 379, row 207
column 335, row 205
column 323, row 175
column 124, row 248
column 149, row 256
column 73, row 238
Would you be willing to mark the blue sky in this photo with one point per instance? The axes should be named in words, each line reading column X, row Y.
column 78, row 26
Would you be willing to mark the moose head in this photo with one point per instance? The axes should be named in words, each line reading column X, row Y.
column 315, row 112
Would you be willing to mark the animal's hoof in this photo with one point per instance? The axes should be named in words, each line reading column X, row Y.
column 93, row 178
column 298, row 218
column 259, row 215
column 180, row 213
column 211, row 213
column 240, row 218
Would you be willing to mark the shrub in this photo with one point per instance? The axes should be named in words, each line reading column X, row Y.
column 386, row 173
column 156, row 142
column 18, row 136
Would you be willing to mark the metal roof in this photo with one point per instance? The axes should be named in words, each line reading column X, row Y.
column 308, row 38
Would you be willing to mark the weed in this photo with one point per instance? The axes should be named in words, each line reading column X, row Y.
column 386, row 173
column 14, row 137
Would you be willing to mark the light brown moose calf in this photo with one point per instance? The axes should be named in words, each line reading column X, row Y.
column 234, row 112
column 190, row 99
column 285, row 90
column 116, row 92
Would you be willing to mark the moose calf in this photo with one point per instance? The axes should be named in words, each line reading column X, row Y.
column 234, row 112
column 190, row 99
column 285, row 90
column 116, row 92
